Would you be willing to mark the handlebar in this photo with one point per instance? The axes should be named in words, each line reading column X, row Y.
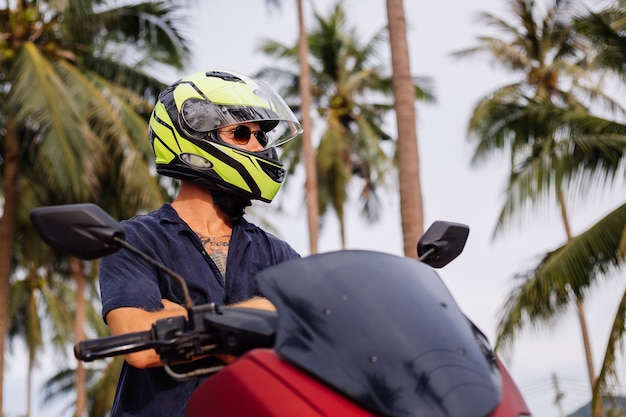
column 207, row 330
column 89, row 350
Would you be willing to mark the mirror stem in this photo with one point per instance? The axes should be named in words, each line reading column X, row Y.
column 426, row 255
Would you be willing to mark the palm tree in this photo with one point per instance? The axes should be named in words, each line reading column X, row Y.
column 308, row 153
column 95, row 382
column 596, row 252
column 407, row 154
column 32, row 299
column 547, row 129
column 556, row 146
column 605, row 31
column 74, row 106
column 101, row 382
column 350, row 94
column 26, row 298
column 39, row 297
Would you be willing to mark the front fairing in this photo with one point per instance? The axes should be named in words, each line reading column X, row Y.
column 384, row 331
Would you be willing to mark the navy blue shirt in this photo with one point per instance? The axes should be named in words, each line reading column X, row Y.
column 127, row 281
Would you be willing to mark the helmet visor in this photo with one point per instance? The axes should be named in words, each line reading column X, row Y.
column 233, row 104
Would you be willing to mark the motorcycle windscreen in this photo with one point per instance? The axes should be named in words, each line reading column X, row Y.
column 385, row 331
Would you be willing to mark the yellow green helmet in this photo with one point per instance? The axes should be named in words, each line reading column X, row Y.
column 183, row 132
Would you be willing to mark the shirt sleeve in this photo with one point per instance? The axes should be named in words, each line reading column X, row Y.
column 128, row 281
column 282, row 250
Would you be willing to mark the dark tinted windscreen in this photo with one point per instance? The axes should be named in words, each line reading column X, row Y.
column 384, row 331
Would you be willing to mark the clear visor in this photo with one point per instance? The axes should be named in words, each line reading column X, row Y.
column 262, row 106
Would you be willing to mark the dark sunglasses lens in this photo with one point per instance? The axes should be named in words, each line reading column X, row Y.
column 242, row 134
column 261, row 137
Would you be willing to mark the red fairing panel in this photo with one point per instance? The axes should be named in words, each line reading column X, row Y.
column 260, row 384
column 511, row 404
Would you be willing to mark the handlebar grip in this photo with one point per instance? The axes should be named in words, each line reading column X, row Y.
column 104, row 347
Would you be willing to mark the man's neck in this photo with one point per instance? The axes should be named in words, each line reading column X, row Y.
column 194, row 204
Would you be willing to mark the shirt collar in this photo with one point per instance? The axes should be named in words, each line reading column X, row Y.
column 168, row 214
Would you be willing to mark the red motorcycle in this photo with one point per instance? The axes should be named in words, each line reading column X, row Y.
column 356, row 333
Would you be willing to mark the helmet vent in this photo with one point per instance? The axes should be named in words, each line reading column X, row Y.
column 196, row 161
column 224, row 76
column 277, row 173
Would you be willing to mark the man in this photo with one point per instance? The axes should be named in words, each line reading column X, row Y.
column 215, row 131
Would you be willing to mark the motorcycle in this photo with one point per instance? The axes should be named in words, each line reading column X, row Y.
column 356, row 333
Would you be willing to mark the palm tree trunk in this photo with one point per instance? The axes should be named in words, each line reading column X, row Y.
column 77, row 274
column 579, row 301
column 342, row 228
column 586, row 342
column 308, row 153
column 33, row 341
column 7, row 233
column 29, row 385
column 411, row 206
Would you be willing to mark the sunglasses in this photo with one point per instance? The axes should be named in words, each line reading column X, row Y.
column 241, row 135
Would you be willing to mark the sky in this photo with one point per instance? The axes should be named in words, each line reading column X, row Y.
column 226, row 35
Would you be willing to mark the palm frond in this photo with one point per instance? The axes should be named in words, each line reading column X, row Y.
column 545, row 291
column 65, row 142
column 605, row 30
column 152, row 27
column 123, row 132
column 583, row 155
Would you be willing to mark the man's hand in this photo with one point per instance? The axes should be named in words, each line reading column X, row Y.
column 172, row 306
column 256, row 302
column 129, row 319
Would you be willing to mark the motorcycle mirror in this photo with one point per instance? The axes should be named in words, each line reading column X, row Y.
column 82, row 230
column 442, row 243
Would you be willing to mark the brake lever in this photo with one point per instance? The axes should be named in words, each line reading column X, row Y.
column 210, row 329
column 185, row 338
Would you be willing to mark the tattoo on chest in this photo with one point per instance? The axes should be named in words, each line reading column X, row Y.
column 217, row 249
